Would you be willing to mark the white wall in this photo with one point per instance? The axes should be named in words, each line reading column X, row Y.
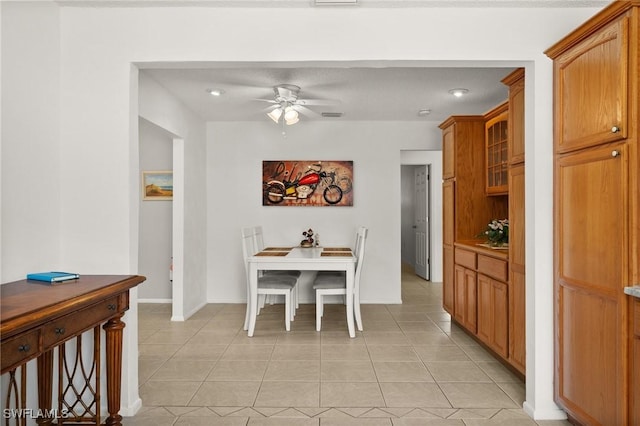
column 235, row 154
column 96, row 209
column 30, row 141
column 160, row 107
column 156, row 220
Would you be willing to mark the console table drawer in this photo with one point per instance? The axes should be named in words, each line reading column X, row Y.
column 465, row 258
column 492, row 267
column 20, row 349
column 71, row 325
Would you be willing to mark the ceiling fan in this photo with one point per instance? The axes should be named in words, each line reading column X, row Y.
column 288, row 105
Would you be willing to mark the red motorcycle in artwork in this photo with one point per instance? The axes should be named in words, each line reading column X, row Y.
column 302, row 188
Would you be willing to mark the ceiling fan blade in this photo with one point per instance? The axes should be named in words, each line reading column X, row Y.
column 306, row 111
column 269, row 109
column 266, row 100
column 320, row 102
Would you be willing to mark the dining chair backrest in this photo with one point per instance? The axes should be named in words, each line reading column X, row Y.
column 361, row 229
column 361, row 238
column 258, row 237
column 248, row 246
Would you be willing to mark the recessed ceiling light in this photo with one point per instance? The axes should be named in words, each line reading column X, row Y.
column 459, row 92
column 424, row 112
column 215, row 92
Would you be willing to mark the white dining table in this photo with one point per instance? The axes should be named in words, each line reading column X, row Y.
column 301, row 259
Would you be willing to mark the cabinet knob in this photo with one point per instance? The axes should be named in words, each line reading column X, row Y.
column 615, row 153
column 615, row 129
column 60, row 330
column 24, row 348
column 111, row 307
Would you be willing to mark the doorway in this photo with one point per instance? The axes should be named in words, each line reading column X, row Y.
column 415, row 235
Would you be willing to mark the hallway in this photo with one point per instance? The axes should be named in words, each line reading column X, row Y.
column 409, row 367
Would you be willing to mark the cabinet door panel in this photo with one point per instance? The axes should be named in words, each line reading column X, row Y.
column 485, row 321
column 500, row 317
column 516, row 218
column 588, row 337
column 517, row 321
column 591, row 261
column 516, row 121
column 470, row 300
column 459, row 294
column 448, row 153
column 591, row 90
column 448, row 280
column 591, row 219
column 635, row 364
column 493, row 314
column 448, row 212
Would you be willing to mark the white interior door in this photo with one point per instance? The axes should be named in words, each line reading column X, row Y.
column 421, row 221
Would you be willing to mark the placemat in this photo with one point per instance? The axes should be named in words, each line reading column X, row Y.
column 337, row 249
column 272, row 253
column 277, row 249
column 335, row 253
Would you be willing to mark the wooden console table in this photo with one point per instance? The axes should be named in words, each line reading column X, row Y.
column 37, row 318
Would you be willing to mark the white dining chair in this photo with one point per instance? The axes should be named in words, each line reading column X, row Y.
column 333, row 284
column 355, row 253
column 258, row 239
column 267, row 284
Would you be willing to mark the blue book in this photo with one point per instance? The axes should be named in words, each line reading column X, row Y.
column 53, row 277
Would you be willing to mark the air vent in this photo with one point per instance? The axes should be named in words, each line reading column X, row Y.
column 332, row 114
column 336, row 2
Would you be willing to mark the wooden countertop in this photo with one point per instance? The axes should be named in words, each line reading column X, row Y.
column 633, row 291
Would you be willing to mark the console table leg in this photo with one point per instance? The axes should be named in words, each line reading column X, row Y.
column 113, row 333
column 45, row 388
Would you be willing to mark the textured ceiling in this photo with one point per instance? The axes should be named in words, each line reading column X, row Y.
column 360, row 3
column 360, row 93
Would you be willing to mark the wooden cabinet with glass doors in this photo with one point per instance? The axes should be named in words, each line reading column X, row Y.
column 496, row 157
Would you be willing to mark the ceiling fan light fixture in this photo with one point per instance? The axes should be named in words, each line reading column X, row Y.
column 290, row 121
column 290, row 114
column 275, row 114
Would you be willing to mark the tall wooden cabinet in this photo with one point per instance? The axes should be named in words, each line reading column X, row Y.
column 517, row 318
column 465, row 206
column 596, row 212
column 635, row 363
column 483, row 163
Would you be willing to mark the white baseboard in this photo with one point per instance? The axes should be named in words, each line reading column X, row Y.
column 548, row 414
column 155, row 301
column 131, row 410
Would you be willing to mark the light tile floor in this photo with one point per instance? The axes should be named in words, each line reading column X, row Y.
column 409, row 367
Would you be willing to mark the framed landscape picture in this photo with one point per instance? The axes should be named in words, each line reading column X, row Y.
column 157, row 185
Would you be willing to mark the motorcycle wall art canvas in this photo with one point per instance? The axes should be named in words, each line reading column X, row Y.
column 307, row 183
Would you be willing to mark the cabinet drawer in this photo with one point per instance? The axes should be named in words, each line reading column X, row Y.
column 636, row 318
column 465, row 258
column 492, row 267
column 71, row 325
column 20, row 349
